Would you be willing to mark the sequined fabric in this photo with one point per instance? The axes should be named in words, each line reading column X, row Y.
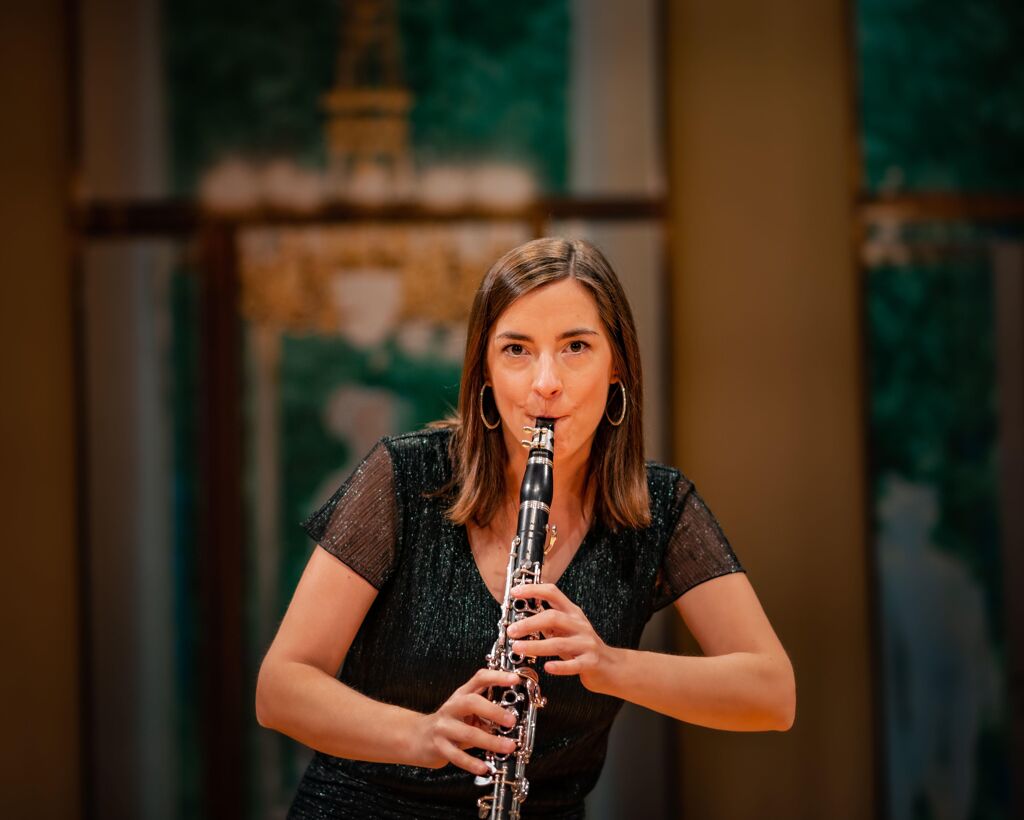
column 434, row 620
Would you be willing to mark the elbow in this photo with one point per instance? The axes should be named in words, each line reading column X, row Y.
column 262, row 717
column 787, row 717
column 264, row 698
column 775, row 693
column 786, row 702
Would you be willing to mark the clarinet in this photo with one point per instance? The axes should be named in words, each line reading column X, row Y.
column 507, row 775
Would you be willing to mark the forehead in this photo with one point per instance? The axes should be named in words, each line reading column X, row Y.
column 565, row 302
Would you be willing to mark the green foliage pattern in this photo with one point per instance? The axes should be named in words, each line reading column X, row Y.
column 942, row 94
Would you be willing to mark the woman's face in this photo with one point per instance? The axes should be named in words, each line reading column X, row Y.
column 549, row 355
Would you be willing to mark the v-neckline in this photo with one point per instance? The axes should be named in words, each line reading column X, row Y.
column 483, row 581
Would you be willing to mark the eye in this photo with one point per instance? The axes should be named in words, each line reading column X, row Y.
column 578, row 346
column 514, row 349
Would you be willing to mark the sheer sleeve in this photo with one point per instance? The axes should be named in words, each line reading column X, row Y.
column 697, row 549
column 359, row 524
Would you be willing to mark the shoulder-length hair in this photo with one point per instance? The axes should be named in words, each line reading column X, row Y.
column 615, row 470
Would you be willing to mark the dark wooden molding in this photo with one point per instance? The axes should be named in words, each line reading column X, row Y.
column 940, row 207
column 221, row 547
column 131, row 219
column 1008, row 298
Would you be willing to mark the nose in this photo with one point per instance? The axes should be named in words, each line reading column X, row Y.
column 547, row 381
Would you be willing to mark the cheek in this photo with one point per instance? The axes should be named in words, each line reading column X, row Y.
column 595, row 403
column 596, row 385
column 589, row 409
column 510, row 387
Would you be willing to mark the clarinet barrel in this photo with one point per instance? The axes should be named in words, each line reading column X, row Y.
column 507, row 778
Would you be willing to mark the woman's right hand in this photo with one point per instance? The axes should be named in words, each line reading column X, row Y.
column 456, row 725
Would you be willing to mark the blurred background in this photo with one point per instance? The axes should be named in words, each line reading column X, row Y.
column 240, row 241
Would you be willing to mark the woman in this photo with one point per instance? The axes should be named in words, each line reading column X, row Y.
column 402, row 592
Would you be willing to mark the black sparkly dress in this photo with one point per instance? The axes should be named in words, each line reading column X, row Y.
column 434, row 620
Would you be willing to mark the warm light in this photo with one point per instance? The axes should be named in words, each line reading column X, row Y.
column 370, row 184
column 229, row 187
column 502, row 186
column 286, row 185
column 444, row 187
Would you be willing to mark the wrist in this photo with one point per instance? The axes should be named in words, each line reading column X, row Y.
column 607, row 680
column 412, row 739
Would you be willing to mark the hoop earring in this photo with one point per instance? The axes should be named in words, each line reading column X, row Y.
column 483, row 416
column 622, row 416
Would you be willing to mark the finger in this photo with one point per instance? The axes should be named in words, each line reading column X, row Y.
column 481, row 707
column 546, row 621
column 466, row 736
column 573, row 667
column 545, row 647
column 465, row 761
column 545, row 592
column 487, row 677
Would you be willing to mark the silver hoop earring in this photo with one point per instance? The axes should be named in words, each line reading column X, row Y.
column 622, row 416
column 483, row 416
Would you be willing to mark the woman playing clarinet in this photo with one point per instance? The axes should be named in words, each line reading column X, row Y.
column 381, row 661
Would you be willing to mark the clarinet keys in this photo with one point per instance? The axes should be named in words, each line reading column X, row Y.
column 507, row 772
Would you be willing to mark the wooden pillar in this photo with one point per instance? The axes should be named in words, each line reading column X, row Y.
column 768, row 382
column 39, row 687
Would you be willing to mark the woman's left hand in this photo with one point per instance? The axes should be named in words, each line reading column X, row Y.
column 567, row 634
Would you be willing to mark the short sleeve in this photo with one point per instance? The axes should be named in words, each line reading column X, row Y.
column 697, row 549
column 359, row 524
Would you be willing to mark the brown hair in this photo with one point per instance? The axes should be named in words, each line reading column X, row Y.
column 616, row 469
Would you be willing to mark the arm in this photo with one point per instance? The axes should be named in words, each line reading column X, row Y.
column 745, row 681
column 298, row 695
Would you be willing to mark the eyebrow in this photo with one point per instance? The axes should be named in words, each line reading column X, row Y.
column 522, row 337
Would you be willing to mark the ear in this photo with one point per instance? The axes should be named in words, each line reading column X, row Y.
column 614, row 378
